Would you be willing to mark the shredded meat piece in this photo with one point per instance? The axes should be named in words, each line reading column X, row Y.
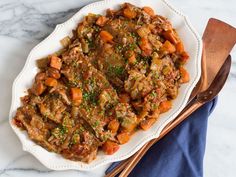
column 138, row 85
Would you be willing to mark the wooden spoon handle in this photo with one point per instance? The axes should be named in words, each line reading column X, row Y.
column 118, row 168
column 132, row 162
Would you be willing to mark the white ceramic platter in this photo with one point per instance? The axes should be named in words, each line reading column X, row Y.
column 193, row 46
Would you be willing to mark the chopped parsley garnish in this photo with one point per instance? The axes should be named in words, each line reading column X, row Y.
column 106, row 136
column 63, row 130
column 156, row 75
column 81, row 129
column 75, row 138
column 146, row 60
column 116, row 70
column 96, row 123
column 91, row 82
column 132, row 34
column 154, row 106
column 75, row 63
column 154, row 94
column 102, row 112
column 96, row 28
column 91, row 97
column 60, row 132
column 119, row 48
column 67, row 122
column 132, row 46
column 90, row 43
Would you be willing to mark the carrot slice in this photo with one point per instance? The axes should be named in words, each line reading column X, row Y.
column 129, row 13
column 170, row 36
column 179, row 47
column 113, row 125
column 123, row 137
column 165, row 106
column 148, row 10
column 55, row 62
column 101, row 20
column 76, row 94
column 132, row 59
column 145, row 46
column 106, row 36
column 184, row 57
column 51, row 82
column 110, row 147
column 184, row 75
column 167, row 46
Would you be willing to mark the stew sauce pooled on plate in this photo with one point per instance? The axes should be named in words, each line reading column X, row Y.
column 114, row 76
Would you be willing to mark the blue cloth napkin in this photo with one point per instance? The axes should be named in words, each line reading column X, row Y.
column 180, row 153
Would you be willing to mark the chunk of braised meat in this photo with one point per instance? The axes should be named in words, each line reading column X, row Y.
column 138, row 85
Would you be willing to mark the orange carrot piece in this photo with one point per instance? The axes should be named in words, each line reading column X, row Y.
column 110, row 147
column 145, row 46
column 132, row 59
column 123, row 137
column 184, row 57
column 167, row 46
column 101, row 20
column 148, row 10
column 146, row 124
column 165, row 106
column 170, row 36
column 179, row 47
column 184, row 75
column 113, row 125
column 129, row 13
column 106, row 36
column 51, row 82
column 55, row 62
column 76, row 94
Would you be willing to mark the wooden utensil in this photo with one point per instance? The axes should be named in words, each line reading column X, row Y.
column 219, row 39
column 200, row 100
column 227, row 42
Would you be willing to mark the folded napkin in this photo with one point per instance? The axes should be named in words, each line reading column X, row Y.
column 180, row 153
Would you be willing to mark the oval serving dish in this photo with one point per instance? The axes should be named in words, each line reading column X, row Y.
column 51, row 44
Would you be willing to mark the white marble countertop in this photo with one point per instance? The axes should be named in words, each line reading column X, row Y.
column 23, row 23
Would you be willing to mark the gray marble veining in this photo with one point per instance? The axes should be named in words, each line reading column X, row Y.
column 24, row 23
